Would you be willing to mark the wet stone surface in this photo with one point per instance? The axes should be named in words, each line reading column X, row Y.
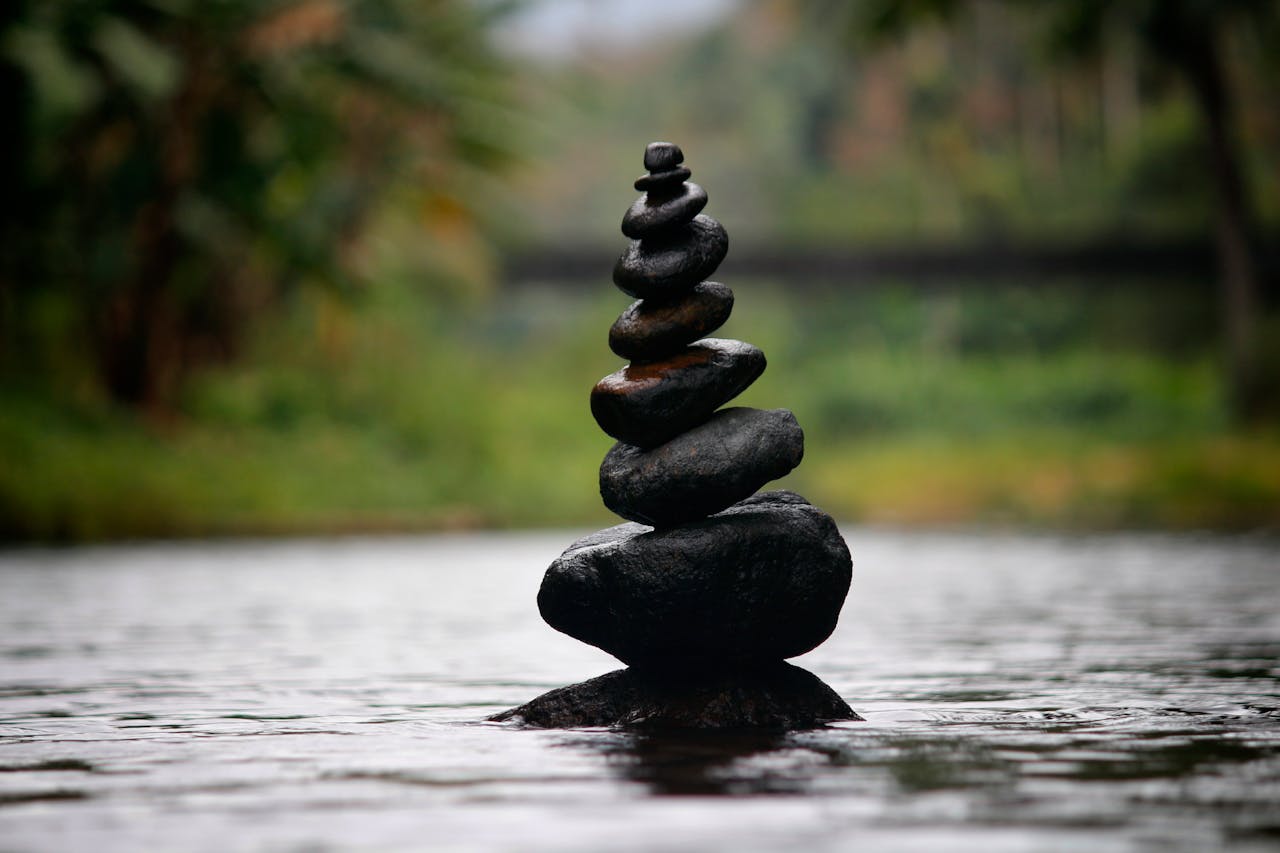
column 762, row 581
column 664, row 180
column 778, row 696
column 652, row 214
column 651, row 329
column 704, row 470
column 662, row 156
column 648, row 404
column 671, row 263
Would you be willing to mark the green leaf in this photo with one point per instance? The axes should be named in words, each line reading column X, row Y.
column 148, row 68
column 63, row 87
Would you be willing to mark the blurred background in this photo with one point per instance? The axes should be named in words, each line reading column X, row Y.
column 312, row 266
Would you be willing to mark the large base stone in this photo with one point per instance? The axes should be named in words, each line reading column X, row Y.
column 761, row 581
column 777, row 696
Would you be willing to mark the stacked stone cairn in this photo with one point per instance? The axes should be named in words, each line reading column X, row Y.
column 708, row 589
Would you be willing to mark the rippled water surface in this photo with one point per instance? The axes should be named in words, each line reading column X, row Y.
column 1021, row 693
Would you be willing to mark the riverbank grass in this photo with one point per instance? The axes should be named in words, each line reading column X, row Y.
column 391, row 415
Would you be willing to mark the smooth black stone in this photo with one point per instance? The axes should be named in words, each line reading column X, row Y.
column 761, row 581
column 661, row 180
column 650, row 214
column 647, row 404
column 779, row 696
column 670, row 263
column 662, row 156
column 650, row 330
column 702, row 471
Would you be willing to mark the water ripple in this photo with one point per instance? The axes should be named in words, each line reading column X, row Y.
column 1108, row 693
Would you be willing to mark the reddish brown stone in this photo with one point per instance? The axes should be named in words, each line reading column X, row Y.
column 650, row 329
column 648, row 404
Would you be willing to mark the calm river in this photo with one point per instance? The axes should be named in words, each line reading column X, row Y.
column 1021, row 693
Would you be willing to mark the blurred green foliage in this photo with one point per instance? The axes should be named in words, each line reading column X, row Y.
column 172, row 167
column 1189, row 38
column 998, row 407
column 271, row 230
column 809, row 131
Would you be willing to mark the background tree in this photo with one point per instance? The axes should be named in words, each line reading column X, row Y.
column 1188, row 37
column 172, row 167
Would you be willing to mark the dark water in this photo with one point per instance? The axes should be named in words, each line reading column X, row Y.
column 1110, row 693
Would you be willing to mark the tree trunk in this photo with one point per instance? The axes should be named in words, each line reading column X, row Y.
column 137, row 357
column 1199, row 58
column 142, row 339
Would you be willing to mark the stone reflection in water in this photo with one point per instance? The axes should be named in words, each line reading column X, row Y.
column 1164, row 760
column 711, row 587
column 753, row 762
column 701, row 763
column 938, row 765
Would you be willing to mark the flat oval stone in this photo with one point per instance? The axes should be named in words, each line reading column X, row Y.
column 702, row 471
column 650, row 214
column 762, row 581
column 663, row 180
column 648, row 404
column 650, row 330
column 662, row 156
column 670, row 263
column 773, row 696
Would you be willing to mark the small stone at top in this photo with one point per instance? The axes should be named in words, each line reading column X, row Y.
column 662, row 156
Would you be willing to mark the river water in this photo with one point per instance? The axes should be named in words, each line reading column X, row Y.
column 1102, row 693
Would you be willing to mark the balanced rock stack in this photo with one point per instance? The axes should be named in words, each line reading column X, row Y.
column 709, row 588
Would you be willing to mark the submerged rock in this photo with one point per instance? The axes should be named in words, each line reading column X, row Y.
column 704, row 470
column 762, row 581
column 777, row 696
column 647, row 404
column 650, row 330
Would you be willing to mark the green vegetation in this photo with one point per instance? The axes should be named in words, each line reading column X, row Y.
column 1187, row 38
column 248, row 278
column 961, row 407
column 175, row 168
column 970, row 128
